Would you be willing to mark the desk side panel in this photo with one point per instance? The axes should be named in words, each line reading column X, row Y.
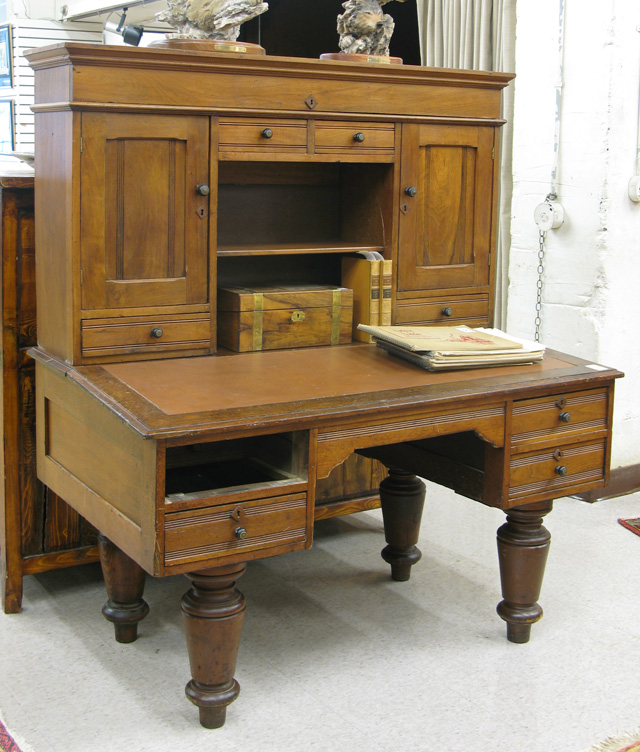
column 103, row 468
column 56, row 220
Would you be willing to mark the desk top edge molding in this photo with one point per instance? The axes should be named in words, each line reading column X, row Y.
column 151, row 422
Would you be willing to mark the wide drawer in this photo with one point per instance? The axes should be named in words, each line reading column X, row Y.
column 471, row 311
column 230, row 529
column 257, row 135
column 552, row 471
column 142, row 334
column 346, row 137
column 561, row 417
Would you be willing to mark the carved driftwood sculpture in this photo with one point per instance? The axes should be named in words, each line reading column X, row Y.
column 364, row 28
column 210, row 19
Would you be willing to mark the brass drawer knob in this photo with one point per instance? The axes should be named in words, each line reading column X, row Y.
column 447, row 311
column 240, row 533
column 565, row 417
column 203, row 190
column 359, row 137
column 266, row 133
column 561, row 470
column 156, row 332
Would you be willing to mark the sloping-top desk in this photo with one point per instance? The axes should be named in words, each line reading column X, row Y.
column 199, row 465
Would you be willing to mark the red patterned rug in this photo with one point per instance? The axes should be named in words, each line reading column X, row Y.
column 6, row 741
column 632, row 524
column 624, row 743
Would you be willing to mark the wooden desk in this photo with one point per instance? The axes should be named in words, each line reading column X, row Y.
column 200, row 465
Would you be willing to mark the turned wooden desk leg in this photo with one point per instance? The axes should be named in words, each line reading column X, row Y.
column 213, row 612
column 523, row 546
column 124, row 580
column 402, row 499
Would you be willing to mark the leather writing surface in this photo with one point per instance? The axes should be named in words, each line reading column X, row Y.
column 191, row 385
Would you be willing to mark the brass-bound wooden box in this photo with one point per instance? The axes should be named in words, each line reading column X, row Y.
column 269, row 318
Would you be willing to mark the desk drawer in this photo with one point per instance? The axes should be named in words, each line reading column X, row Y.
column 449, row 311
column 558, row 418
column 262, row 135
column 145, row 334
column 225, row 530
column 550, row 471
column 352, row 138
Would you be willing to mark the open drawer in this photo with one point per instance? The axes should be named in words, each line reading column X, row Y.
column 237, row 500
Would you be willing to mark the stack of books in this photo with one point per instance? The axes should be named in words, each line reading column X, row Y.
column 368, row 274
column 439, row 348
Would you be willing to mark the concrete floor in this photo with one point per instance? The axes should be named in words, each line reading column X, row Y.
column 336, row 656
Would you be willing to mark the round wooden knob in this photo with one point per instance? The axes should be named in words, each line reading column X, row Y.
column 561, row 470
column 565, row 417
column 157, row 332
column 203, row 190
column 240, row 533
column 359, row 137
column 266, row 133
column 447, row 311
column 411, row 190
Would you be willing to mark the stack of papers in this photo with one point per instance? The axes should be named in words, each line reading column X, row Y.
column 451, row 347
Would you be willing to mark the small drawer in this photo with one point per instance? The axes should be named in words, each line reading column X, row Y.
column 470, row 311
column 345, row 137
column 551, row 471
column 143, row 334
column 262, row 135
column 561, row 417
column 230, row 529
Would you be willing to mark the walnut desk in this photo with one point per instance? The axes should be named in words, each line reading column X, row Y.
column 200, row 465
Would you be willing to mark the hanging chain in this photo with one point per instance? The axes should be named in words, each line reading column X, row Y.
column 541, row 238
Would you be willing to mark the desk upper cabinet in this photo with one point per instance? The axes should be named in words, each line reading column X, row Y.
column 198, row 171
column 446, row 224
column 144, row 259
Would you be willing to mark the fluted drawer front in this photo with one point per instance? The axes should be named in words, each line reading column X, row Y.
column 559, row 418
column 549, row 471
column 229, row 529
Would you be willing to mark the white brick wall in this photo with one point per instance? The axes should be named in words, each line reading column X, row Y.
column 591, row 304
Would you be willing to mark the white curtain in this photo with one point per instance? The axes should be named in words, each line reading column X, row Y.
column 478, row 35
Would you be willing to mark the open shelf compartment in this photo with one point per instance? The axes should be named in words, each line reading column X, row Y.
column 237, row 469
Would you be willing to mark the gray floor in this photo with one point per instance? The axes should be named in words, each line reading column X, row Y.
column 336, row 656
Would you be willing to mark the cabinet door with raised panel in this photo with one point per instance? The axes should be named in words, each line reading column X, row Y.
column 144, row 211
column 445, row 224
